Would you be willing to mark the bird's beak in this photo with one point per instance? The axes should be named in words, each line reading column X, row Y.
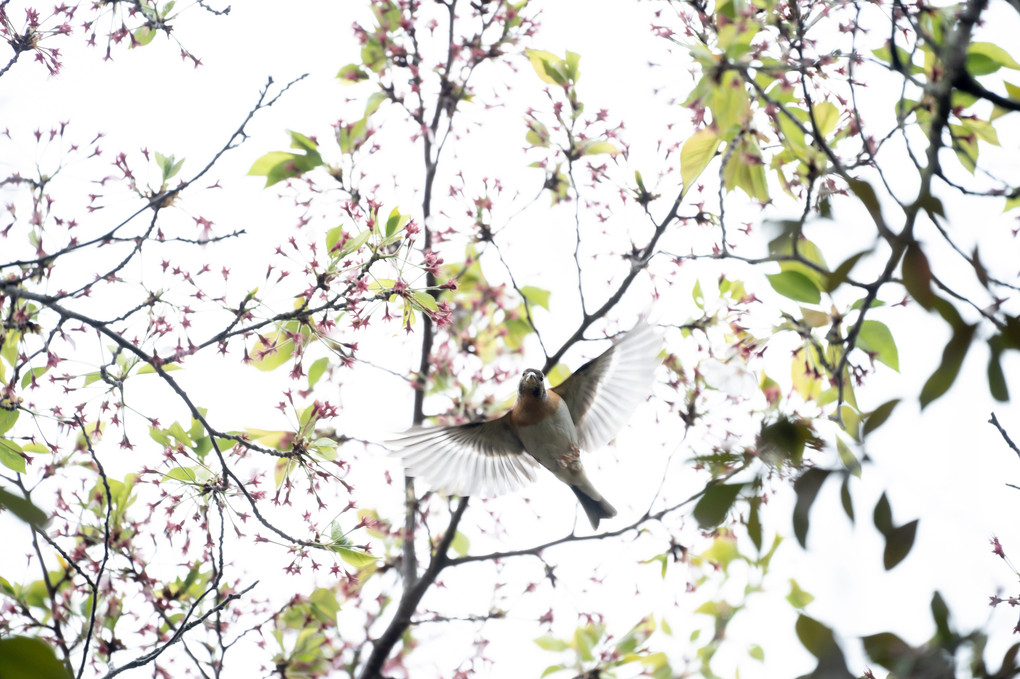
column 531, row 380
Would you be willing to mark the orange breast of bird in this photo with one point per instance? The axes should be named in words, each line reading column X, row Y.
column 530, row 410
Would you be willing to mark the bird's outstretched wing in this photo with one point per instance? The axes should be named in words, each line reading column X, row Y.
column 604, row 392
column 483, row 458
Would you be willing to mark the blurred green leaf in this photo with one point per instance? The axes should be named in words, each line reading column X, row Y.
column 550, row 643
column 7, row 419
column 697, row 152
column 806, row 487
column 354, row 557
column 952, row 359
column 877, row 417
column 351, row 73
column 23, row 508
column 324, row 605
column 715, row 504
column 316, row 370
column 10, row 456
column 796, row 286
column 797, row 597
column 549, row 67
column 883, row 515
column 142, row 36
column 875, row 338
column 536, row 296
column 29, row 658
column 898, row 543
column 886, row 649
column 986, row 57
column 917, row 276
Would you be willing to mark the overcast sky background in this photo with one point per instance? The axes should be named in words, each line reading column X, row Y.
column 946, row 466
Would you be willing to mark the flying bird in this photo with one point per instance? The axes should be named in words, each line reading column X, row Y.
column 546, row 426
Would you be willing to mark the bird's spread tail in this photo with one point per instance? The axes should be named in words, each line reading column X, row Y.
column 595, row 509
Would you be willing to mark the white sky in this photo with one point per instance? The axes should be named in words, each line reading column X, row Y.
column 946, row 466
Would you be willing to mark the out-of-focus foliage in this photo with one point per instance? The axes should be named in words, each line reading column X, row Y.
column 150, row 517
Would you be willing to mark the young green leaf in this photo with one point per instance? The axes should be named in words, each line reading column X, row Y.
column 875, row 338
column 697, row 152
column 10, row 456
column 795, row 286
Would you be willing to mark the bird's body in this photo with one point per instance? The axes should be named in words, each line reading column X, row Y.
column 542, row 421
column 547, row 427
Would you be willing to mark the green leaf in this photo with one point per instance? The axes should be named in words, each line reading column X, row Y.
column 715, row 504
column 460, row 544
column 877, row 417
column 424, row 300
column 875, row 338
column 906, row 63
column 187, row 475
column 815, row 637
column 826, row 116
column 806, row 487
column 729, row 105
column 847, row 457
column 754, row 523
column 745, row 170
column 281, row 440
column 352, row 245
column 841, row 272
column 996, row 377
column 7, row 419
column 536, row 296
column 846, row 499
column 883, row 515
column 697, row 152
column 351, row 73
column 10, row 456
column 886, row 649
column 866, row 194
column 324, row 605
column 396, row 222
column 168, row 165
column 952, row 359
column 29, row 658
column 178, row 432
column 549, row 67
column 32, row 375
column 550, row 643
column 167, row 367
column 537, row 134
column 898, row 543
column 986, row 57
column 316, row 370
column 355, row 557
column 795, row 286
column 940, row 614
column 143, row 36
column 585, row 640
column 917, row 276
column 23, row 509
column 591, row 148
column 797, row 597
column 277, row 166
column 279, row 351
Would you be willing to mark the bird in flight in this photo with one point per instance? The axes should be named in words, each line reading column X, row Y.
column 546, row 426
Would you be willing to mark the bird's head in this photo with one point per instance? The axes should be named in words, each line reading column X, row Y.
column 532, row 384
